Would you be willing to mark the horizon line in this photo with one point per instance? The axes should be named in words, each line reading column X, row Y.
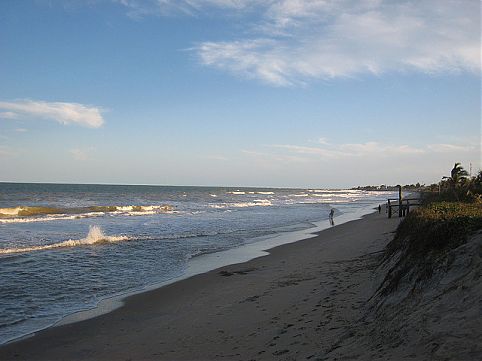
column 192, row 186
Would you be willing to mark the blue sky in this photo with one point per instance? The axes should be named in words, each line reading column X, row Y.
column 305, row 93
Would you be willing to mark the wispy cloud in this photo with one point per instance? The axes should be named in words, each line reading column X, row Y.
column 316, row 151
column 81, row 154
column 141, row 8
column 300, row 40
column 372, row 150
column 361, row 163
column 323, row 140
column 362, row 149
column 8, row 115
column 219, row 157
column 64, row 113
column 268, row 157
column 294, row 41
column 449, row 148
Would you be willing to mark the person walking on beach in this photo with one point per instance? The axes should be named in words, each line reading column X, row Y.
column 379, row 208
column 332, row 213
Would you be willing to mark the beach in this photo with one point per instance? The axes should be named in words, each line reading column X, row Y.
column 206, row 180
column 75, row 246
column 296, row 303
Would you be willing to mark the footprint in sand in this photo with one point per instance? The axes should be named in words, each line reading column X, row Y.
column 280, row 352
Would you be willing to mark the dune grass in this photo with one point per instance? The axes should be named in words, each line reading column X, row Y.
column 437, row 226
column 425, row 238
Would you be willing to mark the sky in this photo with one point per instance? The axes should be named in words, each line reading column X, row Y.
column 287, row 93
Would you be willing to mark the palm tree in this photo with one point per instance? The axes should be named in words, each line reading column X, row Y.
column 458, row 177
column 477, row 183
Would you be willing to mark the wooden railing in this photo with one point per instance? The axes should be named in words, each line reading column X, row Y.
column 403, row 206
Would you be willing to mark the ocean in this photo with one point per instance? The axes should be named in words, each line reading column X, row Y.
column 64, row 248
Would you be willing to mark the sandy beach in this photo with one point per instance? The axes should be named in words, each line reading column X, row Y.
column 240, row 180
column 315, row 299
column 295, row 303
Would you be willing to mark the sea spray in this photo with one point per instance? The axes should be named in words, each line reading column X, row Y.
column 94, row 236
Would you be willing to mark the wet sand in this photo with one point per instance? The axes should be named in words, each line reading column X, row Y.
column 296, row 303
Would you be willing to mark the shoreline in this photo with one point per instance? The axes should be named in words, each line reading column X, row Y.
column 128, row 300
column 203, row 264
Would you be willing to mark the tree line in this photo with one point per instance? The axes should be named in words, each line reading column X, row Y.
column 459, row 186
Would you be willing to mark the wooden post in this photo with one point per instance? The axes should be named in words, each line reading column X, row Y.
column 408, row 207
column 400, row 205
column 389, row 209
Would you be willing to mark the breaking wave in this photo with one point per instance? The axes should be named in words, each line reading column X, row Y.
column 344, row 191
column 94, row 236
column 238, row 192
column 25, row 214
column 254, row 203
column 132, row 209
column 27, row 211
column 50, row 217
column 97, row 236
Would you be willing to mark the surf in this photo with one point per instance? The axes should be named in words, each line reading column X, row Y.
column 94, row 236
column 27, row 214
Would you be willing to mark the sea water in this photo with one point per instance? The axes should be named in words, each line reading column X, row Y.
column 63, row 248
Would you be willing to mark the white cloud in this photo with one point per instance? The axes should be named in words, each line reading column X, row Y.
column 317, row 151
column 259, row 58
column 300, row 40
column 268, row 157
column 362, row 149
column 21, row 130
column 304, row 167
column 140, row 8
column 323, row 141
column 360, row 163
column 8, row 115
column 64, row 113
column 359, row 150
column 286, row 42
column 448, row 148
column 215, row 157
column 81, row 154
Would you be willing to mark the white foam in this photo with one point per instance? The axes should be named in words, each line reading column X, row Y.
column 142, row 208
column 254, row 203
column 334, row 191
column 94, row 236
column 56, row 217
column 12, row 214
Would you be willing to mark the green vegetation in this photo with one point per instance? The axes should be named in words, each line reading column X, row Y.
column 459, row 186
column 447, row 217
column 392, row 188
column 451, row 211
column 437, row 226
